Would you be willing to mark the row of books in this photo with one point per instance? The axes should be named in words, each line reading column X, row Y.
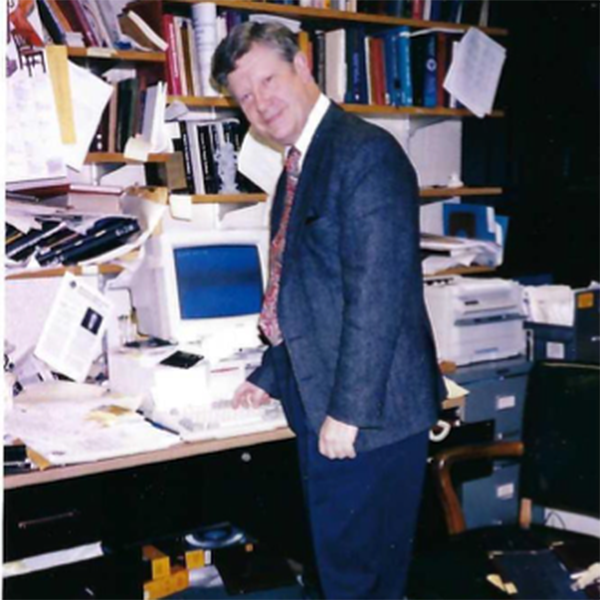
column 209, row 150
column 81, row 22
column 97, row 23
column 129, row 113
column 474, row 12
column 191, row 45
column 398, row 67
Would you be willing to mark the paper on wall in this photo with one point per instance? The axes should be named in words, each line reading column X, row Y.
column 475, row 71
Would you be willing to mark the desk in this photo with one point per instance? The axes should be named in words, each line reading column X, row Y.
column 251, row 481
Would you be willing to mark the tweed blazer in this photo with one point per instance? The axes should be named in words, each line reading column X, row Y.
column 351, row 305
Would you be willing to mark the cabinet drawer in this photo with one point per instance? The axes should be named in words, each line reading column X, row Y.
column 50, row 517
column 501, row 400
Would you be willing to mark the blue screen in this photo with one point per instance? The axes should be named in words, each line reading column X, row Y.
column 218, row 281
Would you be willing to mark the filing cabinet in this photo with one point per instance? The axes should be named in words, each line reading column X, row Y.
column 496, row 393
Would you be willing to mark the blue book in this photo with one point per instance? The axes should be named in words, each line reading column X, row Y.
column 404, row 60
column 392, row 67
column 430, row 68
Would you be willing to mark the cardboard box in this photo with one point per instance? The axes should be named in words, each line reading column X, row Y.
column 177, row 580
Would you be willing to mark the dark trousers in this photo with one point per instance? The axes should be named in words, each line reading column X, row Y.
column 362, row 511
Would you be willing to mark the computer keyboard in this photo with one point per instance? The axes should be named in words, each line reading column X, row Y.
column 218, row 419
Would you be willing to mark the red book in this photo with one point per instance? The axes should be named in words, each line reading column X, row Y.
column 442, row 68
column 417, row 9
column 377, row 70
column 173, row 75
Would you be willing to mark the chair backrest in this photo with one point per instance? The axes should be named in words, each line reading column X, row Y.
column 561, row 465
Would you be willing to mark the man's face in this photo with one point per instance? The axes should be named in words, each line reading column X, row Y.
column 275, row 95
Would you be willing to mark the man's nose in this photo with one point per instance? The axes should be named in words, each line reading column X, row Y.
column 262, row 98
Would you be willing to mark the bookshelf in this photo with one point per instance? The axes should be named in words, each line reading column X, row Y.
column 338, row 16
column 154, row 65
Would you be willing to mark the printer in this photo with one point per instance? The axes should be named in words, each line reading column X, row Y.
column 475, row 320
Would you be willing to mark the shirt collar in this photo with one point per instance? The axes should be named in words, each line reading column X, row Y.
column 314, row 119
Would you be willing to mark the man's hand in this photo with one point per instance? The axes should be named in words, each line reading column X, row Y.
column 250, row 395
column 336, row 439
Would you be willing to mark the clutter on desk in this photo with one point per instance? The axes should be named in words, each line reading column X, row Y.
column 70, row 423
column 563, row 323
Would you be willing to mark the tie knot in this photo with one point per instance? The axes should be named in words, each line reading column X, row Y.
column 292, row 162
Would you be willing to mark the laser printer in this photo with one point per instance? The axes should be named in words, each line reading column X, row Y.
column 475, row 320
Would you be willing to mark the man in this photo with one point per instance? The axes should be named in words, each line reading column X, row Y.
column 351, row 355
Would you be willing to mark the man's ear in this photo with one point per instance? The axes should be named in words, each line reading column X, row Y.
column 301, row 66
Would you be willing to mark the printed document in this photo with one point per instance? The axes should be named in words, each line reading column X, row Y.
column 72, row 336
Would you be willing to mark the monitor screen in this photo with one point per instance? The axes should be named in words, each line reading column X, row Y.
column 193, row 284
column 218, row 281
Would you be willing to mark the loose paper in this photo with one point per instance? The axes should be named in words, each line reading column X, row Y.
column 72, row 336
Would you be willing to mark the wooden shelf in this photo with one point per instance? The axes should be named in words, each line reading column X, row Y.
column 338, row 15
column 111, row 54
column 373, row 109
column 228, row 198
column 435, row 192
column 477, row 270
column 103, row 269
column 117, row 157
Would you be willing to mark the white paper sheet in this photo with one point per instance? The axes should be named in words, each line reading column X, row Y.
column 90, row 95
column 475, row 71
column 260, row 162
column 72, row 336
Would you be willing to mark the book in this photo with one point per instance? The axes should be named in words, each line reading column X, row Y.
column 392, row 68
column 405, row 71
column 430, row 68
column 334, row 54
column 204, row 19
column 51, row 22
column 97, row 24
column 108, row 14
column 138, row 30
column 172, row 64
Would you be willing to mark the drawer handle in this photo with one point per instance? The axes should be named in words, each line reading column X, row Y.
column 45, row 520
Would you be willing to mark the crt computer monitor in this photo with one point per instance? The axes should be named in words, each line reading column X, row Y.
column 193, row 284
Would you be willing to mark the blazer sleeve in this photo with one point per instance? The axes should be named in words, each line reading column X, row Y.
column 381, row 278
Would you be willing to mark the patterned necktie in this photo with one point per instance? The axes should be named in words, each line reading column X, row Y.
column 268, row 321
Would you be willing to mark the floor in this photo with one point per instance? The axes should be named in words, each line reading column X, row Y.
column 207, row 584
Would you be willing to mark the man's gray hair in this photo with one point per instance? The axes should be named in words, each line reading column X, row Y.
column 241, row 39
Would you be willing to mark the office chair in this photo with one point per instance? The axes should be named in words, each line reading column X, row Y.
column 559, row 455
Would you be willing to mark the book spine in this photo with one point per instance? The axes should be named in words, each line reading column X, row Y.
column 404, row 54
column 392, row 68
column 177, row 21
column 430, row 68
column 55, row 5
column 442, row 60
column 186, row 34
column 204, row 19
column 206, row 159
column 51, row 22
column 417, row 9
column 187, row 159
column 197, row 170
column 173, row 76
